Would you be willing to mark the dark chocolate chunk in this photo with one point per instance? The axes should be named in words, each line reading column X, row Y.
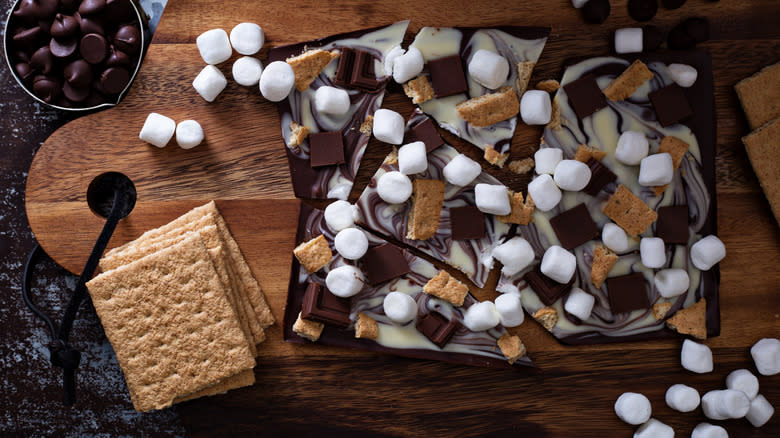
column 78, row 74
column 652, row 38
column 47, row 88
column 437, row 328
column 344, row 69
column 128, row 39
column 670, row 104
column 672, row 224
column 363, row 75
column 89, row 24
column 574, row 227
column 596, row 11
column 697, row 28
column 64, row 26
column 547, row 289
column 679, row 39
column 75, row 94
column 447, row 77
column 320, row 305
column 91, row 7
column 63, row 49
column 467, row 223
column 117, row 58
column 600, row 176
column 93, row 48
column 672, row 4
column 326, row 148
column 642, row 10
column 627, row 293
column 114, row 79
column 425, row 132
column 585, row 96
column 24, row 71
column 42, row 60
column 384, row 262
column 28, row 38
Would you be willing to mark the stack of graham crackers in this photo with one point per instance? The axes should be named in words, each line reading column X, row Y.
column 182, row 311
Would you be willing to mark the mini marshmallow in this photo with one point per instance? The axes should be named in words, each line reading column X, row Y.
column 188, row 134
column 572, row 175
column 558, row 264
column 331, row 100
column 671, row 282
column 214, row 46
column 628, row 40
column 614, row 238
column 492, row 199
column 247, row 38
column 579, row 303
column 766, row 355
column 652, row 252
column 654, row 429
column 707, row 430
column 461, row 170
column 707, row 252
column 247, row 71
column 489, row 69
column 682, row 398
column 760, row 411
column 510, row 310
column 481, row 316
column 277, row 81
column 407, row 66
column 632, row 147
column 633, row 408
column 544, row 192
column 390, row 57
column 656, row 170
column 515, row 254
column 683, row 75
column 351, row 243
column 743, row 380
column 578, row 3
column 345, row 281
column 413, row 158
column 340, row 215
column 157, row 130
column 388, row 126
column 546, row 159
column 696, row 357
column 394, row 187
column 535, row 107
column 725, row 404
column 209, row 83
column 400, row 307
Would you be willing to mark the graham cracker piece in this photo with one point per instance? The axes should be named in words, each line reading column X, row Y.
column 367, row 126
column 491, row 108
column 547, row 317
column 511, row 347
column 308, row 329
column 759, row 95
column 308, row 66
column 240, row 380
column 170, row 324
column 392, row 157
column 623, row 86
column 763, row 146
column 603, row 261
column 548, row 85
column 524, row 70
column 585, row 153
column 298, row 134
column 366, row 327
column 522, row 166
column 495, row 158
column 446, row 287
column 419, row 89
column 677, row 149
column 314, row 254
column 628, row 211
column 522, row 210
column 660, row 309
column 691, row 320
column 423, row 216
column 556, row 122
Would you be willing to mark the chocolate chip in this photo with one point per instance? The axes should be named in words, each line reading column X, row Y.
column 679, row 39
column 75, row 94
column 574, row 227
column 93, row 48
column 425, row 132
column 64, row 26
column 326, row 148
column 128, row 39
column 27, row 11
column 119, row 11
column 672, row 4
column 600, row 176
column 89, row 24
column 69, row 4
column 437, row 328
column 63, row 49
column 24, row 71
column 697, row 28
column 47, row 88
column 114, row 79
column 547, row 289
column 320, row 305
column 384, row 262
column 652, row 38
column 45, row 26
column 585, row 96
column 28, row 38
column 447, row 77
column 596, row 11
column 78, row 73
column 670, row 105
column 42, row 60
column 642, row 10
column 672, row 224
column 117, row 58
column 46, row 9
column 467, row 223
column 627, row 293
column 92, row 7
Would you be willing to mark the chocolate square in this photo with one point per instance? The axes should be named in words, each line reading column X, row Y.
column 363, row 74
column 467, row 223
column 585, row 96
column 547, row 289
column 672, row 224
column 326, row 149
column 425, row 132
column 574, row 227
column 345, row 67
column 447, row 77
column 320, row 305
column 670, row 105
column 600, row 176
column 627, row 293
column 437, row 328
column 384, row 262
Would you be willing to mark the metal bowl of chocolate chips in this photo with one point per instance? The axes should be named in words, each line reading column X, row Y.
column 74, row 55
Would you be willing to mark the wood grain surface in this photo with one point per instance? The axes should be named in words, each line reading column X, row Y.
column 313, row 390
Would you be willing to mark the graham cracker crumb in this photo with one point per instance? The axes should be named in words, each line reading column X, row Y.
column 548, row 85
column 489, row 109
column 628, row 211
column 511, row 347
column 677, row 149
column 392, row 157
column 495, row 158
column 366, row 327
column 660, row 309
column 522, row 166
column 298, row 134
column 691, row 320
column 427, row 201
column 603, row 261
column 447, row 288
column 555, row 118
column 308, row 329
column 419, row 89
column 314, row 254
column 367, row 126
column 547, row 317
column 585, row 152
column 632, row 78
column 524, row 70
column 308, row 66
column 522, row 210
column 759, row 95
column 762, row 146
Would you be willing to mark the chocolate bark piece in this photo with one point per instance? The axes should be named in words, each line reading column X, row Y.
column 425, row 132
column 672, row 224
column 320, row 305
column 547, row 289
column 383, row 263
column 327, row 148
column 467, row 223
column 670, row 104
column 600, row 176
column 596, row 11
column 585, row 96
column 447, row 76
column 574, row 227
column 627, row 293
column 437, row 328
column 642, row 10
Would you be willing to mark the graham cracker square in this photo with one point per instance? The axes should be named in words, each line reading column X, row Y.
column 314, row 254
column 419, row 89
column 309, row 65
column 366, row 327
column 691, row 320
column 308, row 329
column 677, row 149
column 423, row 216
column 762, row 146
column 760, row 96
column 623, row 86
column 603, row 261
column 522, row 210
column 511, row 347
column 491, row 108
column 447, row 288
column 628, row 211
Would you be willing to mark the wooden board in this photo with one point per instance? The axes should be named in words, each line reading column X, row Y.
column 242, row 166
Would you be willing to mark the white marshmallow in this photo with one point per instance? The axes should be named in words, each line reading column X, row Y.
column 189, row 134
column 388, row 126
column 656, row 170
column 707, row 252
column 510, row 310
column 725, row 404
column 760, row 411
column 766, row 355
column 461, row 170
column 628, row 40
column 672, row 282
column 632, row 147
column 578, row 3
column 214, row 46
column 247, row 71
column 682, row 398
column 652, row 251
column 488, row 69
column 157, row 130
column 696, row 357
column 389, row 59
column 351, row 243
column 515, row 254
column 277, row 81
column 654, row 429
column 546, row 159
column 579, row 303
column 614, row 238
column 707, row 430
column 492, row 199
column 683, row 75
column 394, row 187
column 345, row 281
column 331, row 100
column 408, row 65
column 709, row 402
column 247, row 38
column 558, row 264
column 633, row 408
column 209, row 83
column 481, row 316
column 412, row 158
column 339, row 215
column 400, row 307
column 535, row 107
column 743, row 380
column 572, row 175
column 544, row 192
